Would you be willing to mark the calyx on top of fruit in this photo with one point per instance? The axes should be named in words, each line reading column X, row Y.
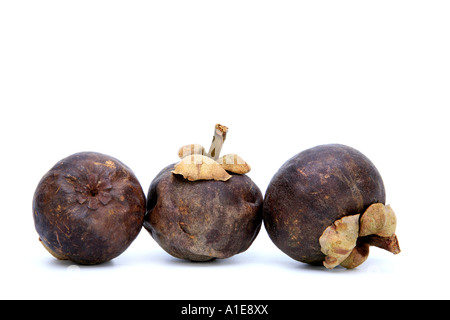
column 196, row 164
column 346, row 242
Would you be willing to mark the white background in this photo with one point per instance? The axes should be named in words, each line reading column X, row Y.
column 138, row 79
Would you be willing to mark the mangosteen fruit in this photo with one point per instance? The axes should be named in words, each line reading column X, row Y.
column 204, row 207
column 88, row 208
column 326, row 205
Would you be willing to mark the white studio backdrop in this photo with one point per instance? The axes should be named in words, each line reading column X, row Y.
column 137, row 80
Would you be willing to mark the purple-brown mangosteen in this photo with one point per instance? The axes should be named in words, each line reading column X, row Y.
column 204, row 207
column 326, row 205
column 88, row 208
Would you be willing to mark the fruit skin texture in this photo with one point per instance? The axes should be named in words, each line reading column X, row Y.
column 205, row 219
column 88, row 208
column 311, row 191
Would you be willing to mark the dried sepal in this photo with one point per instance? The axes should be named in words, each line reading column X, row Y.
column 198, row 167
column 375, row 227
column 359, row 254
column 339, row 239
column 234, row 163
column 378, row 219
column 191, row 149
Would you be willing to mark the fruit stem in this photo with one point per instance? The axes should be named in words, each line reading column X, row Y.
column 387, row 243
column 220, row 134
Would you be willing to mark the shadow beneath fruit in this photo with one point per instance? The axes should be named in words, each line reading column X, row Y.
column 232, row 261
column 291, row 264
column 72, row 266
column 319, row 268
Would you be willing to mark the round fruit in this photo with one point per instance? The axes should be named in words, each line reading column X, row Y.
column 204, row 219
column 88, row 208
column 198, row 211
column 312, row 192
